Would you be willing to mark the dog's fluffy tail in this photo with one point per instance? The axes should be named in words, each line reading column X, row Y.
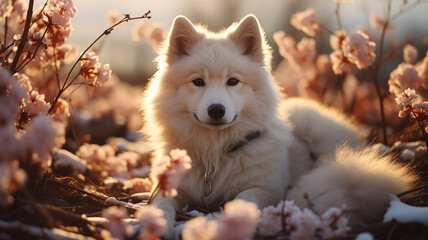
column 359, row 179
column 321, row 128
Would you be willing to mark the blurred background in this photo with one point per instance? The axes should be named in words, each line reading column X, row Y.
column 133, row 61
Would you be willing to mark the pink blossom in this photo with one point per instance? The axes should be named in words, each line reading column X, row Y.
column 41, row 135
column 359, row 49
column 403, row 77
column 104, row 74
column 11, row 178
column 271, row 217
column 67, row 53
column 169, row 170
column 23, row 81
column 152, row 223
column 410, row 54
column 138, row 185
column 200, row 228
column 61, row 111
column 305, row 225
column 96, row 155
column 378, row 23
column 153, row 32
column 334, row 223
column 340, row 63
column 420, row 107
column 405, row 99
column 35, row 104
column 10, row 86
column 92, row 71
column 118, row 228
column 60, row 12
column 5, row 8
column 306, row 22
column 238, row 221
column 337, row 39
column 324, row 64
column 301, row 55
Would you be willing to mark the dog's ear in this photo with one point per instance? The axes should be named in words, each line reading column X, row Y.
column 249, row 36
column 181, row 39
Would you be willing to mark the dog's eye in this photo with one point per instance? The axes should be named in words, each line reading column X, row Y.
column 199, row 82
column 232, row 82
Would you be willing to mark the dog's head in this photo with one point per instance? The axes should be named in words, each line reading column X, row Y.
column 219, row 79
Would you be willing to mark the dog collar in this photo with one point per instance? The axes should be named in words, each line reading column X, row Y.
column 237, row 145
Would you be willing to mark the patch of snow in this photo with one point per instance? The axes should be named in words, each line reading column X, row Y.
column 364, row 236
column 194, row 213
column 113, row 201
column 64, row 158
column 404, row 213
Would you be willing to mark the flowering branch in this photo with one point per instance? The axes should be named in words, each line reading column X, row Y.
column 23, row 64
column 66, row 83
column 24, row 35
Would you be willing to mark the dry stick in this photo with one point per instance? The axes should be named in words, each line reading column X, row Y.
column 22, row 65
column 5, row 31
column 23, row 40
column 337, row 12
column 382, row 110
column 106, row 32
column 375, row 73
column 78, row 189
column 154, row 193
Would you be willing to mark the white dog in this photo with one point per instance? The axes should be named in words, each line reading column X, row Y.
column 214, row 95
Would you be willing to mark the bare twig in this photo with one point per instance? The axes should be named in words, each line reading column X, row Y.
column 381, row 106
column 23, row 64
column 337, row 12
column 78, row 189
column 24, row 35
column 68, row 83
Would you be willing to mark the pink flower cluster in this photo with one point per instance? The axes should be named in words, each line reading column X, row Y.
column 306, row 22
column 409, row 74
column 169, row 170
column 153, row 32
column 118, row 228
column 60, row 12
column 419, row 110
column 151, row 221
column 238, row 221
column 92, row 71
column 301, row 224
column 38, row 134
column 349, row 50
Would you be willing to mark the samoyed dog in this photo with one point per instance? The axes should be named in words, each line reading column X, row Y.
column 214, row 95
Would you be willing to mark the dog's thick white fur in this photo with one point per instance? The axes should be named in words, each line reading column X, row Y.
column 212, row 90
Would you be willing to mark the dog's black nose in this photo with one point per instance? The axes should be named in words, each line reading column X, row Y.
column 216, row 111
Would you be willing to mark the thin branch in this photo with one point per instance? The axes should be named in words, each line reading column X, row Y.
column 22, row 65
column 405, row 9
column 337, row 12
column 23, row 40
column 5, row 31
column 78, row 189
column 380, row 99
column 67, row 84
